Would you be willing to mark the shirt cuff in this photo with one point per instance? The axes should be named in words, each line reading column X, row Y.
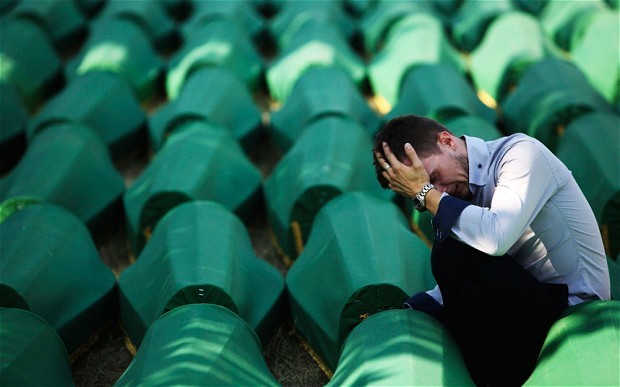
column 449, row 210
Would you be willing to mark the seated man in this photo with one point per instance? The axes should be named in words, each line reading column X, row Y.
column 516, row 241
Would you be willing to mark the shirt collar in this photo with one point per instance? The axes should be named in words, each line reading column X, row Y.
column 479, row 158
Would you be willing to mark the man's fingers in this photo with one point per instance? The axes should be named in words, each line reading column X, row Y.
column 391, row 159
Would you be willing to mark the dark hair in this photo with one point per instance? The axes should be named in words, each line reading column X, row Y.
column 420, row 132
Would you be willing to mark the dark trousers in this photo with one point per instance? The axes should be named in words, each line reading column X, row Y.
column 498, row 313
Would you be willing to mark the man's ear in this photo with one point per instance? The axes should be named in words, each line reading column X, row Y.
column 446, row 139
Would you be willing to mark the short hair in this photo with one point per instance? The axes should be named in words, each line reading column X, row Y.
column 420, row 132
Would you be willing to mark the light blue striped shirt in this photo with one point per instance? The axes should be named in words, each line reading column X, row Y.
column 527, row 204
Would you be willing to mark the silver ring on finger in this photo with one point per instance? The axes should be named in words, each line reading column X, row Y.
column 387, row 167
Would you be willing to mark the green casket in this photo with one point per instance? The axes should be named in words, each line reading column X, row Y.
column 199, row 345
column 560, row 19
column 414, row 40
column 591, row 150
column 199, row 161
column 332, row 155
column 472, row 20
column 213, row 94
column 68, row 165
column 51, row 267
column 320, row 92
column 13, row 118
column 32, row 353
column 400, row 348
column 361, row 258
column 200, row 253
column 113, row 112
column 243, row 12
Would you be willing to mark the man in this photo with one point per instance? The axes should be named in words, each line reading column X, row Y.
column 516, row 241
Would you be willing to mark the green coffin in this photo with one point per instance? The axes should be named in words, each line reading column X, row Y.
column 400, row 348
column 200, row 253
column 216, row 95
column 32, row 353
column 292, row 16
column 201, row 161
column 68, row 165
column 581, row 348
column 243, row 12
column 473, row 126
column 218, row 43
column 151, row 16
column 113, row 112
column 452, row 96
column 614, row 277
column 361, row 258
column 560, row 19
column 199, row 345
column 597, row 57
column 34, row 69
column 316, row 43
column 50, row 261
column 312, row 100
column 551, row 93
column 332, row 156
column 63, row 22
column 120, row 46
column 591, row 150
column 472, row 20
column 511, row 43
column 375, row 25
column 13, row 121
column 414, row 40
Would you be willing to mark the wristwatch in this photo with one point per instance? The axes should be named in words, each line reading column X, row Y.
column 419, row 200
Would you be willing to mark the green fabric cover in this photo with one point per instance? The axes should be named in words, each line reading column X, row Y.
column 292, row 16
column 559, row 19
column 375, row 24
column 551, row 93
column 597, row 57
column 243, row 12
column 120, row 46
column 316, row 43
column 214, row 94
column 472, row 20
column 400, row 348
column 591, row 150
column 473, row 126
column 150, row 16
column 32, row 353
column 13, row 121
column 200, row 253
column 9, row 206
column 218, row 43
column 7, row 5
column 35, row 69
column 112, row 112
column 50, row 260
column 200, row 161
column 331, row 156
column 452, row 96
column 414, row 40
column 581, row 348
column 62, row 21
column 199, row 345
column 532, row 7
column 90, row 8
column 68, row 165
column 512, row 42
column 311, row 99
column 361, row 258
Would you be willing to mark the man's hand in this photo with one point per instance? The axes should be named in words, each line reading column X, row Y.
column 403, row 179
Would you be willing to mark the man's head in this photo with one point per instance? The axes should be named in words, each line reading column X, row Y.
column 444, row 155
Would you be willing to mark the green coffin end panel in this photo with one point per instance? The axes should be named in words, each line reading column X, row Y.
column 32, row 353
column 68, row 165
column 472, row 19
column 587, row 338
column 361, row 258
column 199, row 345
column 63, row 280
column 200, row 252
column 400, row 348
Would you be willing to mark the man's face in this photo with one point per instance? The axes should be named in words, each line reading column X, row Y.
column 449, row 172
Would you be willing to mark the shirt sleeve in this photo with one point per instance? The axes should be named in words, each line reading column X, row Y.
column 525, row 182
